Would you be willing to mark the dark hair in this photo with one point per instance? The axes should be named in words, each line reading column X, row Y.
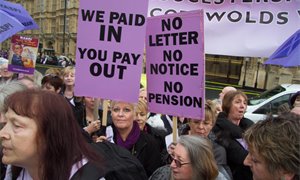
column 293, row 98
column 228, row 99
column 58, row 131
column 53, row 80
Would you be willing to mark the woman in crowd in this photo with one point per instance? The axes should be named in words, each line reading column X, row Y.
column 28, row 82
column 53, row 71
column 91, row 120
column 126, row 133
column 41, row 139
column 68, row 76
column 52, row 83
column 192, row 160
column 141, row 111
column 274, row 146
column 5, row 90
column 203, row 128
column 157, row 121
column 5, row 75
column 229, row 127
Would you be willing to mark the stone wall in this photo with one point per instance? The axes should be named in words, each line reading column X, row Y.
column 268, row 75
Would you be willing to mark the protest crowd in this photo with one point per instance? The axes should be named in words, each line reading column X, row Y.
column 45, row 128
column 94, row 120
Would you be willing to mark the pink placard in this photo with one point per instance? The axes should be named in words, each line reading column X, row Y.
column 110, row 47
column 175, row 64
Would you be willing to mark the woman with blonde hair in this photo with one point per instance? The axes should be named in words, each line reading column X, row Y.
column 141, row 111
column 126, row 133
column 68, row 76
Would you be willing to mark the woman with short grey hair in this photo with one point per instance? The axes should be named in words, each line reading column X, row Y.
column 9, row 88
column 192, row 159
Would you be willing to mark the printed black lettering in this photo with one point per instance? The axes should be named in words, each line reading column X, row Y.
column 107, row 70
column 283, row 17
column 112, row 33
column 87, row 15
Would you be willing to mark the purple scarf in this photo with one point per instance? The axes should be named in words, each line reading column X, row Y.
column 132, row 137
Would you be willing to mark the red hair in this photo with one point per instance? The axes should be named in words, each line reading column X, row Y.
column 59, row 137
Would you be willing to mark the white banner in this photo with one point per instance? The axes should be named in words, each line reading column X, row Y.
column 254, row 28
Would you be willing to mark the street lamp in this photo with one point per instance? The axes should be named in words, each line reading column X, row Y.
column 41, row 29
column 65, row 17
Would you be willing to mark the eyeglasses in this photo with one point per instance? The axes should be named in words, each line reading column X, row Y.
column 179, row 163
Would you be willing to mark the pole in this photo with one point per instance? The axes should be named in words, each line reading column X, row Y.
column 258, row 64
column 174, row 119
column 245, row 71
column 40, row 49
column 267, row 69
column 65, row 17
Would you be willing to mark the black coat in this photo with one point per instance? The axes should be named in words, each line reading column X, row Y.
column 227, row 134
column 2, row 168
column 159, row 135
column 117, row 163
column 146, row 150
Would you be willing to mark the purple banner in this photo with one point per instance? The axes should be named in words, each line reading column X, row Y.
column 17, row 11
column 8, row 26
column 175, row 64
column 110, row 47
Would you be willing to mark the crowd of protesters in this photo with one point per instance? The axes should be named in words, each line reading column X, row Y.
column 47, row 132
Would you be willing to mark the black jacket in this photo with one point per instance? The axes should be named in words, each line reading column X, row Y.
column 117, row 163
column 2, row 168
column 146, row 150
column 227, row 134
column 159, row 135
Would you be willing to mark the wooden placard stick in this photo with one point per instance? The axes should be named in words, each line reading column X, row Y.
column 96, row 109
column 174, row 119
column 104, row 114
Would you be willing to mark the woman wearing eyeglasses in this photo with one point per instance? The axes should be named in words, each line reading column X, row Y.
column 203, row 128
column 192, row 159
